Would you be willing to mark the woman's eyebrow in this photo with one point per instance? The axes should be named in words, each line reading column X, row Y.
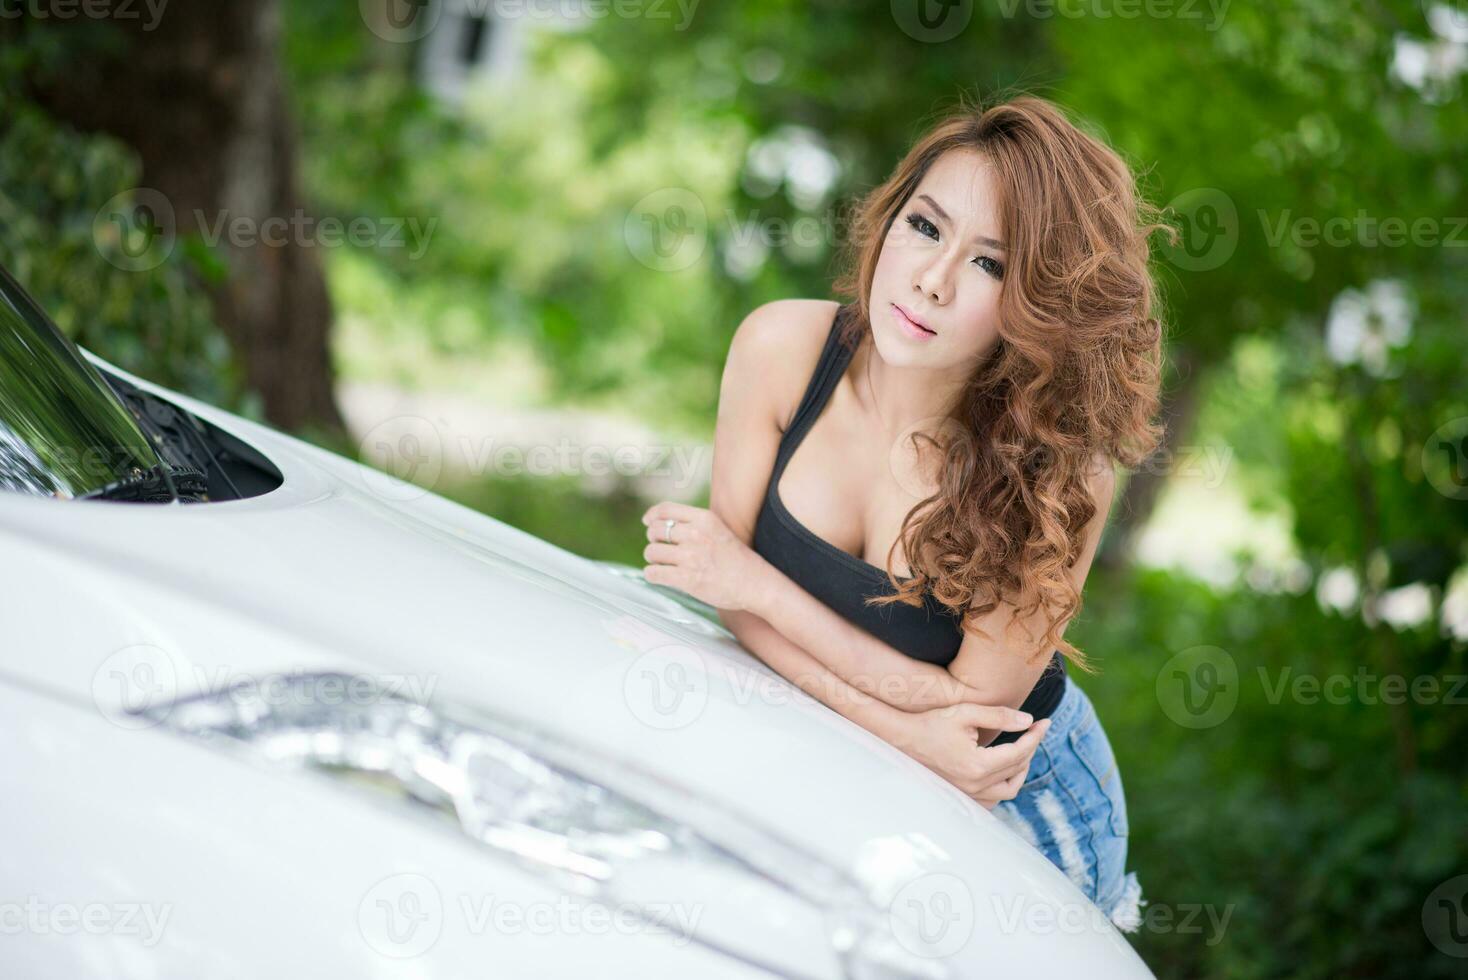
column 981, row 239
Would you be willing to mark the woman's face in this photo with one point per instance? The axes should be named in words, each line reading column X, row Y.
column 942, row 262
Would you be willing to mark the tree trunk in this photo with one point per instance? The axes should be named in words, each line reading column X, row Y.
column 201, row 97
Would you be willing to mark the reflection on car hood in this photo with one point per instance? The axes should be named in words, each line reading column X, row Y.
column 342, row 569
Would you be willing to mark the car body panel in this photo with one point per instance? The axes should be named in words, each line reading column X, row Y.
column 344, row 568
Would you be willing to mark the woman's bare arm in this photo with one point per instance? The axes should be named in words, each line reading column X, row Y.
column 808, row 674
column 946, row 740
column 867, row 663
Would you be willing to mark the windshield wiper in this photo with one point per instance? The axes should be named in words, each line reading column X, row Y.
column 156, row 484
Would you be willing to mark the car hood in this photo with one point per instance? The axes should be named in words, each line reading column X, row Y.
column 343, row 568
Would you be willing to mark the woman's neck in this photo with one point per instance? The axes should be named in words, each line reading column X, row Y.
column 901, row 398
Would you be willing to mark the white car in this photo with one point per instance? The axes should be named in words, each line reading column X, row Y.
column 268, row 711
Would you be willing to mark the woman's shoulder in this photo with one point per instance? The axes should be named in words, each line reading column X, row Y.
column 777, row 346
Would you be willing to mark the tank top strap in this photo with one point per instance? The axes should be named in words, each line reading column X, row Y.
column 831, row 365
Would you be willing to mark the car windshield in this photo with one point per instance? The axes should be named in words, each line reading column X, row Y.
column 63, row 431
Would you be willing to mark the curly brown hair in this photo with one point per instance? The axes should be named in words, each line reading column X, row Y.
column 1075, row 375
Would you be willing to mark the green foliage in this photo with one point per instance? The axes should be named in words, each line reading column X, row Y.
column 1295, row 812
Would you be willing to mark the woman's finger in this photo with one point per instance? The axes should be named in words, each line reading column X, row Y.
column 1005, row 790
column 1006, row 772
column 665, row 510
column 661, row 554
column 659, row 532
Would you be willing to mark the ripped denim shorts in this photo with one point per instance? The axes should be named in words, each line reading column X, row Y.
column 1073, row 810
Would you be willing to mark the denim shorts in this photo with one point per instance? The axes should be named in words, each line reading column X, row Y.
column 1072, row 808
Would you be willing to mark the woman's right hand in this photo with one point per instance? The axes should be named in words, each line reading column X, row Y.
column 946, row 741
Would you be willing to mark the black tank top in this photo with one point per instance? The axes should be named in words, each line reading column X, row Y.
column 931, row 633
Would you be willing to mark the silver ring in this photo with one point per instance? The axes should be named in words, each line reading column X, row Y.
column 668, row 530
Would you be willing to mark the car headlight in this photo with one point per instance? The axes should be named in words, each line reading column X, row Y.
column 595, row 826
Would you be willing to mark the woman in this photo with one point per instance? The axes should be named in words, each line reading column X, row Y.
column 968, row 408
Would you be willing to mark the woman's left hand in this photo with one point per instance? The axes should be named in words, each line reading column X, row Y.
column 705, row 560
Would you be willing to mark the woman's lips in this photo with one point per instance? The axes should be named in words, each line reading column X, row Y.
column 910, row 326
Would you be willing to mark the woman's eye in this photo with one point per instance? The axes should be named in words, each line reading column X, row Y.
column 995, row 268
column 921, row 224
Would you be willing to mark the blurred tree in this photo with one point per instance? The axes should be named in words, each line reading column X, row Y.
column 198, row 94
column 54, row 184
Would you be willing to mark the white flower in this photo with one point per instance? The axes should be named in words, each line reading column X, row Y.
column 1338, row 589
column 1366, row 326
column 1404, row 608
column 1455, row 606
